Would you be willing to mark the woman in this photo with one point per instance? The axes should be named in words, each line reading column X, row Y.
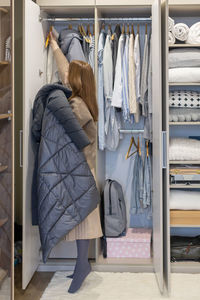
column 78, row 76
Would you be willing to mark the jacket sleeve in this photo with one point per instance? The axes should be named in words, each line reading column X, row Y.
column 60, row 107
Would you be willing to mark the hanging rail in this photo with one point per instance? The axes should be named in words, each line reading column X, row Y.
column 131, row 131
column 141, row 20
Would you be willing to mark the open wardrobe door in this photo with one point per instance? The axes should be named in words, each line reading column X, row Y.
column 33, row 66
column 165, row 124
column 157, row 143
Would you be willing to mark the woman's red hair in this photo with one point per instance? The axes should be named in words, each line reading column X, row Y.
column 82, row 82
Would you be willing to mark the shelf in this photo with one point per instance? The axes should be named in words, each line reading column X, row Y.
column 4, row 63
column 184, row 45
column 3, row 221
column 3, row 168
column 183, row 83
column 5, row 116
column 3, row 275
column 185, row 218
column 123, row 261
column 182, row 186
column 184, row 162
column 184, row 123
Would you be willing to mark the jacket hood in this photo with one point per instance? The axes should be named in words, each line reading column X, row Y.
column 65, row 38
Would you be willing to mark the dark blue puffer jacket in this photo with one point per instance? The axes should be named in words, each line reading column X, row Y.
column 66, row 191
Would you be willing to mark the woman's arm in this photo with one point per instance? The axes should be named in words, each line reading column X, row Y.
column 61, row 61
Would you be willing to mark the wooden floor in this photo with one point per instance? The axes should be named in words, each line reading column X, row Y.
column 35, row 288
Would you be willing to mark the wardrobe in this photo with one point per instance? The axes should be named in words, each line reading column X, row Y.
column 37, row 18
column 6, row 151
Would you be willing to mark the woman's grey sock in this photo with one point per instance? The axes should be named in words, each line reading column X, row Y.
column 82, row 268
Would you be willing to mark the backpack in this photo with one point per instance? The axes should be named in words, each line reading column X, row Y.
column 113, row 210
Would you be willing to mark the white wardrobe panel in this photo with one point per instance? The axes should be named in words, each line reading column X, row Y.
column 5, row 3
column 65, row 2
column 33, row 79
column 165, row 120
column 157, row 143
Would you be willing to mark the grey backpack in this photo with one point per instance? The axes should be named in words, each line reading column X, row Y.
column 113, row 210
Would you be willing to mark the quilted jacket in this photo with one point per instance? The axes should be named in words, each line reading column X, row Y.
column 70, row 42
column 66, row 191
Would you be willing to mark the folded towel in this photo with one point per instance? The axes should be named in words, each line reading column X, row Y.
column 184, row 149
column 184, row 114
column 184, row 200
column 171, row 24
column 181, row 31
column 186, row 99
column 181, row 58
column 184, row 75
column 171, row 38
column 194, row 34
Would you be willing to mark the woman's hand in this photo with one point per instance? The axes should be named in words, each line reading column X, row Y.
column 53, row 42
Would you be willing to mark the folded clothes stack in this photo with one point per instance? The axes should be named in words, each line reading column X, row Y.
column 184, row 65
column 184, row 149
column 182, row 33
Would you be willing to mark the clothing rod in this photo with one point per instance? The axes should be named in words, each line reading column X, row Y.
column 92, row 19
column 131, row 130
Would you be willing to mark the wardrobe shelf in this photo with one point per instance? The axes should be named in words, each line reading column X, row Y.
column 3, row 275
column 184, row 218
column 3, row 168
column 184, row 162
column 124, row 261
column 4, row 63
column 182, row 186
column 5, row 116
column 184, row 123
column 3, row 221
column 184, row 45
column 183, row 83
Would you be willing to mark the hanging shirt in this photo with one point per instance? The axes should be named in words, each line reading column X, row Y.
column 112, row 124
column 101, row 101
column 131, row 76
column 137, row 76
column 52, row 69
column 144, row 79
column 125, row 90
column 116, row 36
column 85, row 48
column 117, row 92
column 91, row 58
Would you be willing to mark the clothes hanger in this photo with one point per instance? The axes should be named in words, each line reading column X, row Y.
column 138, row 28
column 80, row 30
column 128, row 31
column 145, row 28
column 147, row 148
column 70, row 26
column 138, row 148
column 93, row 29
column 88, row 29
column 48, row 37
column 109, row 27
column 103, row 26
column 132, row 30
column 132, row 142
column 123, row 29
column 83, row 30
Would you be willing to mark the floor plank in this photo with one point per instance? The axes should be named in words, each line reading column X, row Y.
column 35, row 288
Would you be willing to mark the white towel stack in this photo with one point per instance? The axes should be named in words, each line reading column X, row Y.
column 171, row 37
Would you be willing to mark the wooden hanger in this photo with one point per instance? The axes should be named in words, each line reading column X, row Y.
column 70, row 26
column 103, row 26
column 145, row 28
column 147, row 148
column 80, row 30
column 138, row 28
column 132, row 30
column 123, row 29
column 93, row 29
column 138, row 147
column 132, row 142
column 109, row 27
column 88, row 29
column 83, row 30
column 128, row 31
column 48, row 37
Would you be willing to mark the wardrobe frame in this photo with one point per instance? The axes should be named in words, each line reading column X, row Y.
column 32, row 257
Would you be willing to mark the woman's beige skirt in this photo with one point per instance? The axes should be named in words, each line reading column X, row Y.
column 89, row 228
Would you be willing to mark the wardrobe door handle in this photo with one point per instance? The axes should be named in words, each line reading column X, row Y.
column 20, row 148
column 164, row 149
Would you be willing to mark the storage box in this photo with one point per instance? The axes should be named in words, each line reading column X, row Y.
column 136, row 243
